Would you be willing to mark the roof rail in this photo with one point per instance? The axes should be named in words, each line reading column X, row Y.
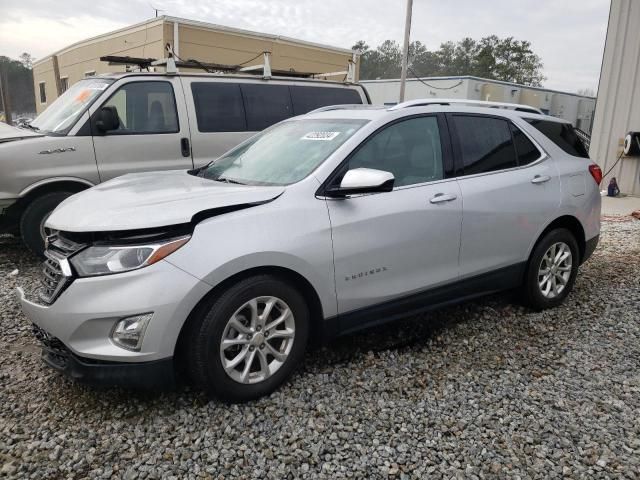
column 345, row 106
column 477, row 103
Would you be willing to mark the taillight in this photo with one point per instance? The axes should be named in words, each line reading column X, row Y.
column 596, row 173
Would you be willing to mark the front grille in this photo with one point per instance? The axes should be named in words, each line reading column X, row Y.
column 56, row 272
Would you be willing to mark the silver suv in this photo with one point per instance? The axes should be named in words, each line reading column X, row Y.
column 319, row 226
column 113, row 124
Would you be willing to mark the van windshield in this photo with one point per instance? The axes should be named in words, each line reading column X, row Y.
column 63, row 113
column 283, row 154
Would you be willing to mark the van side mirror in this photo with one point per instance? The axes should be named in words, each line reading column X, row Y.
column 107, row 119
column 363, row 180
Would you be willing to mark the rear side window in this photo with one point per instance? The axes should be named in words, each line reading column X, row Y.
column 525, row 149
column 305, row 99
column 563, row 135
column 485, row 144
column 219, row 107
column 265, row 105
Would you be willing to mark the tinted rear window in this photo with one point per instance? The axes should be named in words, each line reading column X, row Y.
column 265, row 105
column 485, row 144
column 305, row 99
column 563, row 135
column 219, row 107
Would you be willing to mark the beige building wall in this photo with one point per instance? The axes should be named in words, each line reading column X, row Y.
column 204, row 42
column 618, row 106
column 229, row 48
column 43, row 72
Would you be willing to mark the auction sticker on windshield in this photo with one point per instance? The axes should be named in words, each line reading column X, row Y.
column 97, row 86
column 326, row 136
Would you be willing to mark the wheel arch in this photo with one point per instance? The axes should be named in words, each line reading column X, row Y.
column 57, row 184
column 572, row 224
column 43, row 187
column 311, row 296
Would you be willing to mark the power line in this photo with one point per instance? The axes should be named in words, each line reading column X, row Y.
column 433, row 86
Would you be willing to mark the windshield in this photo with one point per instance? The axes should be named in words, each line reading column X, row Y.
column 63, row 113
column 283, row 154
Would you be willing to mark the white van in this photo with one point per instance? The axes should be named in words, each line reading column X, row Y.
column 109, row 125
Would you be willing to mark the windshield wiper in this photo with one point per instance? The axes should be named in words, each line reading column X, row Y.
column 228, row 180
column 29, row 126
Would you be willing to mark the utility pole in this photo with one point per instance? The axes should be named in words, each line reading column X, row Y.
column 405, row 50
column 4, row 94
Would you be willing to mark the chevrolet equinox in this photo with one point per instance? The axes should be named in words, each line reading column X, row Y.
column 319, row 226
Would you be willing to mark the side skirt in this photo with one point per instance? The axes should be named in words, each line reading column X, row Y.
column 445, row 295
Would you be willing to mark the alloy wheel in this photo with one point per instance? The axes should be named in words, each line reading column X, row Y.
column 555, row 270
column 257, row 339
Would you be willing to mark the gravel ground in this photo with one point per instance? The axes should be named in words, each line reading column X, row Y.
column 483, row 390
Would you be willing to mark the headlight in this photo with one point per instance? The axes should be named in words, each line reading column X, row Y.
column 107, row 259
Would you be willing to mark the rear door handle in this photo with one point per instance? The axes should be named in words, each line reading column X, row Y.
column 185, row 147
column 540, row 179
column 442, row 197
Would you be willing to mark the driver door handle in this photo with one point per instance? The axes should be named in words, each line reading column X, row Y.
column 185, row 147
column 540, row 179
column 442, row 197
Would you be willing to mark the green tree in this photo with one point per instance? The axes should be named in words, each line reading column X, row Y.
column 26, row 60
column 491, row 57
column 19, row 85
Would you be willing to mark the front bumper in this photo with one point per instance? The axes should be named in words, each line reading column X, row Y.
column 84, row 314
column 5, row 203
column 8, row 221
column 154, row 375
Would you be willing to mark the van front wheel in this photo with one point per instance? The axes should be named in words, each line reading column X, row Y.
column 34, row 217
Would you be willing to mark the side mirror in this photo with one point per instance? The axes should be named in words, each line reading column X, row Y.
column 107, row 119
column 363, row 180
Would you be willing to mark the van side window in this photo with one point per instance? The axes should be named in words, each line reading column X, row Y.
column 265, row 105
column 241, row 107
column 562, row 134
column 305, row 99
column 219, row 107
column 145, row 108
column 485, row 144
column 525, row 149
column 410, row 149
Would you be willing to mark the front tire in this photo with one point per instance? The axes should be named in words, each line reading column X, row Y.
column 34, row 217
column 551, row 270
column 250, row 340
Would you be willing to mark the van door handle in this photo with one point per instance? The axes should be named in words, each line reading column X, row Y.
column 442, row 197
column 185, row 147
column 540, row 179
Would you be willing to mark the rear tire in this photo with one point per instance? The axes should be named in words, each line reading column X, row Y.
column 34, row 216
column 551, row 270
column 229, row 331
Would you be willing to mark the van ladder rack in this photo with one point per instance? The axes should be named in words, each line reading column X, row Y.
column 264, row 69
column 145, row 63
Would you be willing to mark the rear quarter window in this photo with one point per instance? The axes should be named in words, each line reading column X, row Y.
column 265, row 105
column 562, row 134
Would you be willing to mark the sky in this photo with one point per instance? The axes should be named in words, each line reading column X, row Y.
column 568, row 35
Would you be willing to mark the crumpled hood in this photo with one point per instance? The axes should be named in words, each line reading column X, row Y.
column 9, row 133
column 148, row 200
